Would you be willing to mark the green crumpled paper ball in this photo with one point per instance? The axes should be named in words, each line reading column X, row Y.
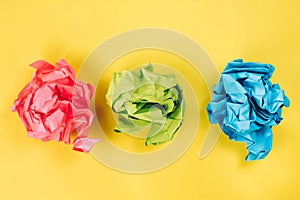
column 144, row 99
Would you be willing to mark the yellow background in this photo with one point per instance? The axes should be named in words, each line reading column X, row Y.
column 264, row 31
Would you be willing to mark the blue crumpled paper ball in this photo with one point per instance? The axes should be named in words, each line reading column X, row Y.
column 246, row 105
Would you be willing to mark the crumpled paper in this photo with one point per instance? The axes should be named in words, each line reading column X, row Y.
column 144, row 99
column 246, row 105
column 54, row 104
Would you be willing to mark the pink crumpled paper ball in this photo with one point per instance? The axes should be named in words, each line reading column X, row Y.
column 54, row 104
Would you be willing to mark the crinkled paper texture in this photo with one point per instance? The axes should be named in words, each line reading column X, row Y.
column 54, row 104
column 246, row 105
column 144, row 99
